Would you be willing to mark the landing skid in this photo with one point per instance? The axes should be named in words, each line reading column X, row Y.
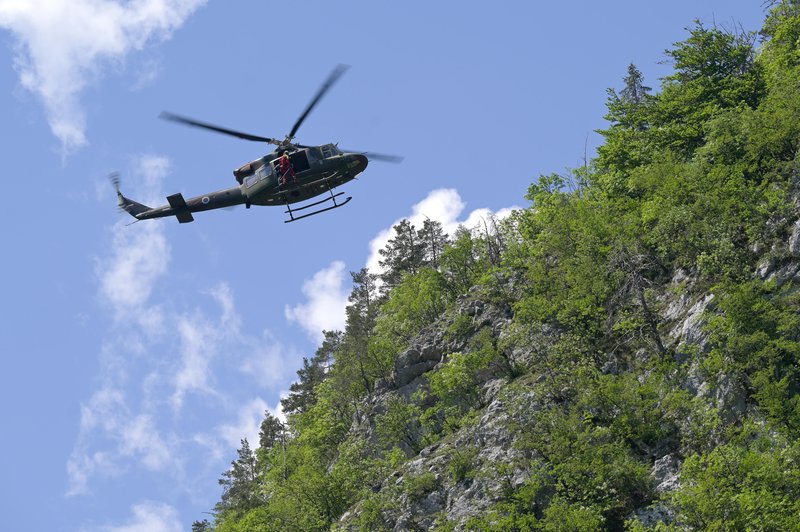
column 293, row 218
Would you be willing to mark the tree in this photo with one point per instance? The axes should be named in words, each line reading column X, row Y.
column 202, row 526
column 403, row 254
column 626, row 144
column 434, row 240
column 460, row 262
column 363, row 304
column 714, row 70
column 240, row 483
column 302, row 393
column 272, row 431
column 635, row 91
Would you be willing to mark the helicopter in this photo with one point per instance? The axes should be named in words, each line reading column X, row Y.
column 310, row 172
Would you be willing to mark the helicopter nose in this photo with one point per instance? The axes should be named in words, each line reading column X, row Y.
column 358, row 163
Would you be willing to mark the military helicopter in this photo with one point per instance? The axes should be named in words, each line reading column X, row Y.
column 310, row 172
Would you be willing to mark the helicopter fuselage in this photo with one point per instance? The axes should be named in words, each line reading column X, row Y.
column 310, row 172
column 317, row 170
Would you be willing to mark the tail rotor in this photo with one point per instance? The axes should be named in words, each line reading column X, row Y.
column 128, row 205
column 114, row 178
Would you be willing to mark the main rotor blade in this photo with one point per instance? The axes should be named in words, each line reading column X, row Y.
column 205, row 125
column 334, row 76
column 383, row 157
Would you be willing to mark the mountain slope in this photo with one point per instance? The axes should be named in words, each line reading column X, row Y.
column 621, row 354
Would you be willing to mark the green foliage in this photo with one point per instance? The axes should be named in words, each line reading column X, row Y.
column 202, row 526
column 302, row 393
column 749, row 484
column 371, row 516
column 240, row 483
column 400, row 424
column 565, row 515
column 462, row 464
column 588, row 466
column 462, row 262
column 418, row 486
column 758, row 336
column 456, row 385
column 415, row 303
column 461, row 328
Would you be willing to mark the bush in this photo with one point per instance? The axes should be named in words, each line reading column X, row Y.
column 417, row 487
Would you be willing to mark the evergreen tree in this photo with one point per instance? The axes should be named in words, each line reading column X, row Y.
column 434, row 240
column 403, row 254
column 202, row 526
column 363, row 302
column 272, row 431
column 240, row 483
column 626, row 145
column 635, row 91
column 302, row 393
column 362, row 313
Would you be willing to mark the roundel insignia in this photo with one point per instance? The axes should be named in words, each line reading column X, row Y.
column 205, row 200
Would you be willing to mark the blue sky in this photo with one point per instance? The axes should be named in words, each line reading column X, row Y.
column 136, row 357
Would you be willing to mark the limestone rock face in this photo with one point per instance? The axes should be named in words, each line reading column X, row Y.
column 427, row 491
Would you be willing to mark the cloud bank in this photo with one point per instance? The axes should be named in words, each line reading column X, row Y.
column 62, row 46
column 150, row 516
column 327, row 291
column 326, row 299
column 443, row 205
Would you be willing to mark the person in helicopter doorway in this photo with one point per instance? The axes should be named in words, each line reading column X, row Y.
column 286, row 169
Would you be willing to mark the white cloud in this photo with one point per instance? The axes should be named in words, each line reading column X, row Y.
column 107, row 416
column 270, row 362
column 199, row 343
column 150, row 516
column 326, row 301
column 124, row 425
column 326, row 297
column 63, row 45
column 140, row 254
column 443, row 205
column 248, row 424
column 141, row 438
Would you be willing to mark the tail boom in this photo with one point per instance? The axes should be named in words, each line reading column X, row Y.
column 181, row 208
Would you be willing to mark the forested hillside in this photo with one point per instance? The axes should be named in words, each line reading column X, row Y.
column 622, row 354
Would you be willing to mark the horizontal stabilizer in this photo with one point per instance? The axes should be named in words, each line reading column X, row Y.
column 184, row 217
column 178, row 204
column 176, row 201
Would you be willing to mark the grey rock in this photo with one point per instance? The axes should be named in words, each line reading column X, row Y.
column 654, row 514
column 666, row 471
column 691, row 333
column 407, row 374
column 731, row 398
column 794, row 239
column 785, row 273
column 765, row 268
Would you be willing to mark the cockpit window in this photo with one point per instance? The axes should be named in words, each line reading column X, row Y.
column 329, row 150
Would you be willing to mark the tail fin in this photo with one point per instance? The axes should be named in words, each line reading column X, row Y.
column 128, row 205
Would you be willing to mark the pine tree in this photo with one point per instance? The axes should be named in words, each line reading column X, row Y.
column 271, row 432
column 434, row 239
column 302, row 394
column 630, row 114
column 240, row 482
column 403, row 254
column 363, row 303
column 635, row 91
column 202, row 526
